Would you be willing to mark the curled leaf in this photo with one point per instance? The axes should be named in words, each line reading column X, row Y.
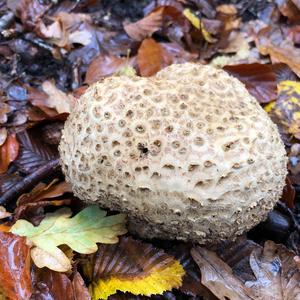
column 8, row 152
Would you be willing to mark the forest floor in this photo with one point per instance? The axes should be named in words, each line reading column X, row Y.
column 50, row 52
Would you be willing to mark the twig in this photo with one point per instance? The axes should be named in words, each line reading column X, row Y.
column 29, row 181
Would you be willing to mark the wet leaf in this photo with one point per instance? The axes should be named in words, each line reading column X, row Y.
column 152, row 57
column 52, row 285
column 260, row 80
column 3, row 135
column 289, row 9
column 90, row 226
column 289, row 193
column 33, row 152
column 8, row 152
column 14, row 267
column 132, row 266
column 274, row 267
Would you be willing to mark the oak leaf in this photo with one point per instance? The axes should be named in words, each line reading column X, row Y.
column 80, row 233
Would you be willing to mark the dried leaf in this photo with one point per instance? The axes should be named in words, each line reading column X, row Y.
column 218, row 277
column 90, row 226
column 15, row 282
column 3, row 135
column 68, row 29
column 132, row 266
column 289, row 10
column 152, row 57
column 105, row 65
column 8, row 152
column 285, row 110
column 260, row 80
column 274, row 267
column 289, row 194
column 33, row 152
column 3, row 213
column 273, row 41
column 145, row 27
column 57, row 99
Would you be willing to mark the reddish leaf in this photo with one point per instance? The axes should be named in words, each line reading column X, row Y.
column 8, row 152
column 289, row 10
column 30, row 12
column 289, row 194
column 15, row 282
column 147, row 26
column 33, row 153
column 57, row 286
column 152, row 57
column 260, row 80
column 102, row 66
column 178, row 54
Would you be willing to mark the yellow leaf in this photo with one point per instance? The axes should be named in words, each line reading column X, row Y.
column 285, row 110
column 197, row 23
column 156, row 283
column 132, row 266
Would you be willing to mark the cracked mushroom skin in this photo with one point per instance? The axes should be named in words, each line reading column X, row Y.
column 188, row 154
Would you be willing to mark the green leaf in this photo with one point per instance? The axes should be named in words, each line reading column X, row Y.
column 81, row 233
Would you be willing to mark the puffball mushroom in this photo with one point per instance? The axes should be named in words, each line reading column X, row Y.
column 188, row 154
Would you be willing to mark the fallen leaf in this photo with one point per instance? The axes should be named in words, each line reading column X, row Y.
column 33, row 152
column 68, row 29
column 274, row 42
column 152, row 57
column 106, row 65
column 54, row 286
column 260, row 80
column 274, row 267
column 8, row 152
column 289, row 194
column 218, row 277
column 197, row 23
column 14, row 267
column 43, row 191
column 289, row 10
column 3, row 135
column 285, row 110
column 3, row 213
column 90, row 226
column 57, row 99
column 132, row 266
column 145, row 27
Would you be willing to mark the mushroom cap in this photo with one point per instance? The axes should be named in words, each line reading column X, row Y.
column 188, row 154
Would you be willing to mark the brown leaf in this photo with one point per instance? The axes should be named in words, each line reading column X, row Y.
column 275, row 42
column 57, row 99
column 178, row 54
column 105, row 65
column 3, row 135
column 57, row 286
column 276, row 272
column 289, row 9
column 8, row 152
column 30, row 12
column 289, row 194
column 147, row 26
column 15, row 282
column 152, row 57
column 260, row 80
column 218, row 277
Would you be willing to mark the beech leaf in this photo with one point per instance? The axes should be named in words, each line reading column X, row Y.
column 8, row 152
column 132, row 266
column 80, row 233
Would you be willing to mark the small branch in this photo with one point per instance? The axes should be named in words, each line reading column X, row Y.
column 29, row 181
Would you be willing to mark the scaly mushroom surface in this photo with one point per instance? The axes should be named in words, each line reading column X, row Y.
column 188, row 154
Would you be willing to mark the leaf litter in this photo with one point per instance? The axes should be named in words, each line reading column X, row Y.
column 50, row 52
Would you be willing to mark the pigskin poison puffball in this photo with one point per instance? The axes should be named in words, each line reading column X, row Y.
column 188, row 154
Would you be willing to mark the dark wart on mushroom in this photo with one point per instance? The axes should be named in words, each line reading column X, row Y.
column 188, row 154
